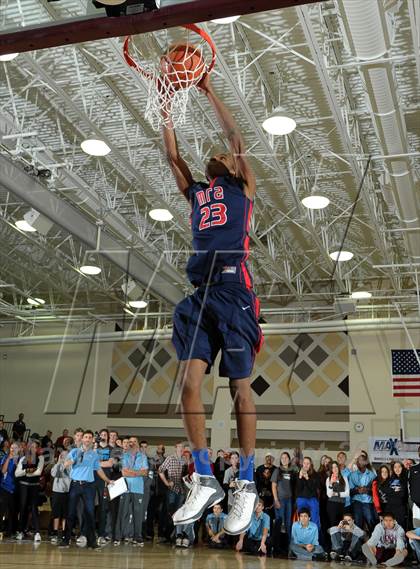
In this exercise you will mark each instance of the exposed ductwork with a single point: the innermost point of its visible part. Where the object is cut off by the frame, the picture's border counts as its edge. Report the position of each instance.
(356, 325)
(368, 32)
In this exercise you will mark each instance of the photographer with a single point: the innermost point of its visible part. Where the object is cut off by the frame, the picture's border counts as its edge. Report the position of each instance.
(346, 540)
(84, 462)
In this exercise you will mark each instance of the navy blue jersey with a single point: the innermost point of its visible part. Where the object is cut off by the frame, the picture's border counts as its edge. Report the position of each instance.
(220, 222)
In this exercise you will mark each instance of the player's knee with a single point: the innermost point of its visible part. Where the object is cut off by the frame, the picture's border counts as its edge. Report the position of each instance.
(241, 392)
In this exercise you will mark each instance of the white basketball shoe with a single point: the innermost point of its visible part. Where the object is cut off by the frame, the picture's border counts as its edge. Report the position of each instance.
(245, 500)
(204, 493)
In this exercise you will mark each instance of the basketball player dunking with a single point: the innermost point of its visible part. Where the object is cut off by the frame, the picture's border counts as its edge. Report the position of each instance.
(222, 314)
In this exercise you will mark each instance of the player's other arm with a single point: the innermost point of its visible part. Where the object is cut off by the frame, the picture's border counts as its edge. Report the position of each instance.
(232, 133)
(177, 164)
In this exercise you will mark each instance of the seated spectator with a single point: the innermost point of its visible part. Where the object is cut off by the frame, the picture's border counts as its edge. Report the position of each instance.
(360, 481)
(304, 544)
(387, 543)
(257, 539)
(18, 428)
(346, 540)
(60, 497)
(414, 539)
(214, 527)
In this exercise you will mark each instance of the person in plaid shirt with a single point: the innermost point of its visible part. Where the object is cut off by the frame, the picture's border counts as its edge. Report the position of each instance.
(171, 472)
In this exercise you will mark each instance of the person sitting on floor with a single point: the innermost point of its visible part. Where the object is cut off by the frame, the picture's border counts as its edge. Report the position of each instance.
(256, 540)
(414, 539)
(386, 545)
(304, 544)
(346, 540)
(214, 526)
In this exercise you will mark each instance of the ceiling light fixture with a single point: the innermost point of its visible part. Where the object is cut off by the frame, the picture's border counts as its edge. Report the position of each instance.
(279, 123)
(8, 56)
(361, 294)
(227, 20)
(341, 256)
(137, 303)
(315, 202)
(35, 301)
(95, 147)
(161, 214)
(23, 225)
(90, 270)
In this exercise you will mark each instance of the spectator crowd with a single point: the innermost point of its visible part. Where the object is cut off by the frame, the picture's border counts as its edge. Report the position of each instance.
(340, 510)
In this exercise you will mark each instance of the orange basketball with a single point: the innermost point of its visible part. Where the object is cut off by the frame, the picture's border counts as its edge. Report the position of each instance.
(182, 65)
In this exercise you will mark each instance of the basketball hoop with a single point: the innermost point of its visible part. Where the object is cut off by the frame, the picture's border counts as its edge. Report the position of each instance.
(171, 78)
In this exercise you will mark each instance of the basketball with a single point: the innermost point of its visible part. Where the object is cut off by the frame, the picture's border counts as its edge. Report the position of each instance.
(183, 65)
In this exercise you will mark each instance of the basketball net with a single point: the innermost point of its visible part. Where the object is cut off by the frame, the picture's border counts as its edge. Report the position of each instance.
(169, 86)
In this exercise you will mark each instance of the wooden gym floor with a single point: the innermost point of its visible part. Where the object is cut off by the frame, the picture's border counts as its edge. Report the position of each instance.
(27, 556)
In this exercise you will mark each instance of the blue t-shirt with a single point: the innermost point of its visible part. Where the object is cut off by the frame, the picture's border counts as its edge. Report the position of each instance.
(85, 463)
(7, 481)
(257, 525)
(216, 522)
(305, 535)
(357, 479)
(135, 484)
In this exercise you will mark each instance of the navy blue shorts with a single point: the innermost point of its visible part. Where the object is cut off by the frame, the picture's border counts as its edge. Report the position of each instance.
(222, 317)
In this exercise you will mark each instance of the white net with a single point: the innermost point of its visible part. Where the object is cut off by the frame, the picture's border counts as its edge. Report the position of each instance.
(170, 77)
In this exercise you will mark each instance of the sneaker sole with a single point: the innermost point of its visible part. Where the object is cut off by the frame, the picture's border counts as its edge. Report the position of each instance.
(197, 516)
(245, 528)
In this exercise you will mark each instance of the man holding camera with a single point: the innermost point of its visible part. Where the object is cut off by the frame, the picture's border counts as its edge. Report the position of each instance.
(346, 540)
(84, 463)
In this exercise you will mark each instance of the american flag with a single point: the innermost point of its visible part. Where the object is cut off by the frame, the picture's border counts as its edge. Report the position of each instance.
(405, 373)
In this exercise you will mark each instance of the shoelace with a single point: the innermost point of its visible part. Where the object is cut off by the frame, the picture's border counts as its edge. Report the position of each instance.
(238, 504)
(193, 493)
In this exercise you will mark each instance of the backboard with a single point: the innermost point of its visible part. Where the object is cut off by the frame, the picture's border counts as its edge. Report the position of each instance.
(38, 24)
(410, 425)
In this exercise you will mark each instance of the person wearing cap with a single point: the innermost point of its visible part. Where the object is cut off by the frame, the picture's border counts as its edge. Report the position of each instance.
(263, 476)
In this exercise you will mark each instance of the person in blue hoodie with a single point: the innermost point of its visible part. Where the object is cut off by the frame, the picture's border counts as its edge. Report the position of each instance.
(8, 465)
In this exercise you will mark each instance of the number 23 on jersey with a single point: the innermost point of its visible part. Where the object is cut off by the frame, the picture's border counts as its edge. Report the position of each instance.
(213, 215)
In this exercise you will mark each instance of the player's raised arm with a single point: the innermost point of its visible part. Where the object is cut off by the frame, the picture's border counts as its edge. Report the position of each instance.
(236, 142)
(177, 164)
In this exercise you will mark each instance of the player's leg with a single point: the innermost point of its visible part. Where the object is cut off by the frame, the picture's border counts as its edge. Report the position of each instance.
(246, 424)
(205, 490)
(245, 495)
(194, 341)
(192, 374)
(238, 324)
